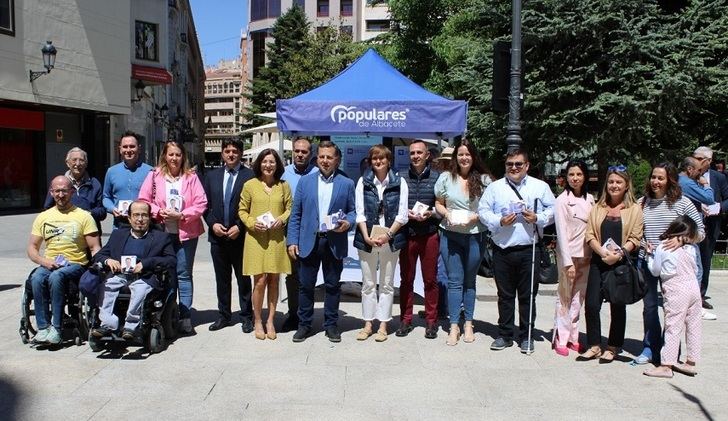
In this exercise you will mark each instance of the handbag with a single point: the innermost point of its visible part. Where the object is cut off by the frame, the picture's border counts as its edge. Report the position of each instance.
(547, 272)
(624, 283)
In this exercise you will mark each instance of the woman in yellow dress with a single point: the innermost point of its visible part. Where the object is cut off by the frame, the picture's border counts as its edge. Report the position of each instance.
(265, 205)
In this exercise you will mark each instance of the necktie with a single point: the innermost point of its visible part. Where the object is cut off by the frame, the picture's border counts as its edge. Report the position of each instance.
(226, 197)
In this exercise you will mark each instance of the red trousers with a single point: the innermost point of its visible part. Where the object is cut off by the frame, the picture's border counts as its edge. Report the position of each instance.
(427, 248)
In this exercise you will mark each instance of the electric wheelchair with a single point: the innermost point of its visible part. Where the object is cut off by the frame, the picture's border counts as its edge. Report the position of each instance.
(159, 313)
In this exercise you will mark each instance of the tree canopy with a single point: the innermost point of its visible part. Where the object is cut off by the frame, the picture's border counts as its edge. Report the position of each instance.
(612, 79)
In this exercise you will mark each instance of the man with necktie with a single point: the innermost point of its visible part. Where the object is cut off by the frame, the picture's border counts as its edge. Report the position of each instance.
(227, 233)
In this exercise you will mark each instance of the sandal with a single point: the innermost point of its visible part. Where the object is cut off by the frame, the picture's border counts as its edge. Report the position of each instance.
(662, 371)
(363, 335)
(592, 353)
(468, 335)
(608, 355)
(686, 369)
(453, 337)
(381, 336)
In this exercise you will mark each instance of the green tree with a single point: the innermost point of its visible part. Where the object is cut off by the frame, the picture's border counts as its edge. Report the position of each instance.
(291, 36)
(613, 80)
(298, 60)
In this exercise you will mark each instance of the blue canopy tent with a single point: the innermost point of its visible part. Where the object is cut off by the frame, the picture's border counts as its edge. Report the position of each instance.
(371, 97)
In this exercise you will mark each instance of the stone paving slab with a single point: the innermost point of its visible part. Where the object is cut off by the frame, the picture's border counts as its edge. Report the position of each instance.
(228, 375)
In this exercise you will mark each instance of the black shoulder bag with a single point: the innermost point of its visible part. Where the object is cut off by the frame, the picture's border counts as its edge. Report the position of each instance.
(624, 283)
(548, 273)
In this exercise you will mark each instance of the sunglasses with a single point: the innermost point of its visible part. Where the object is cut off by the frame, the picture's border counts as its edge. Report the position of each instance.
(619, 168)
(515, 164)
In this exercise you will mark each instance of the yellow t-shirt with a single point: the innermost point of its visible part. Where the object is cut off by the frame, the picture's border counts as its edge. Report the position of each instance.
(64, 233)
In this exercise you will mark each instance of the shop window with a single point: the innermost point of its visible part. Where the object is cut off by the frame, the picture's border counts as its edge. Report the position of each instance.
(7, 17)
(146, 41)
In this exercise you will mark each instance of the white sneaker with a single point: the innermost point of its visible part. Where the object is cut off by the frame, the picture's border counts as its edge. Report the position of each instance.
(708, 315)
(42, 335)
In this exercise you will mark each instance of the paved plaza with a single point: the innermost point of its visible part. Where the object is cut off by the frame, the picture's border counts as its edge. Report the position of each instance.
(226, 375)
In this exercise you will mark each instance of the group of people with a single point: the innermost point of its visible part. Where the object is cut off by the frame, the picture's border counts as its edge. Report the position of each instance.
(275, 219)
(672, 229)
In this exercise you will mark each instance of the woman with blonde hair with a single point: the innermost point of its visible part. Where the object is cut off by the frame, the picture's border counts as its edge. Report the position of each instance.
(614, 227)
(178, 201)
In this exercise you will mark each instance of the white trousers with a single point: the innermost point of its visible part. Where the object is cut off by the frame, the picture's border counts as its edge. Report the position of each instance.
(386, 259)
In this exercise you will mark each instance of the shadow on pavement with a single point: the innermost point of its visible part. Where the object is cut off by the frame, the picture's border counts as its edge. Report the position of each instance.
(8, 286)
(694, 399)
(9, 400)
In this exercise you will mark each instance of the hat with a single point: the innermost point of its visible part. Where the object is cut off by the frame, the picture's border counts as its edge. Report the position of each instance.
(446, 154)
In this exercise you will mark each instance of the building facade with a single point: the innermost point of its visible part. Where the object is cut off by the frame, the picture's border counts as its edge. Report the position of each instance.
(166, 80)
(223, 106)
(41, 119)
(362, 19)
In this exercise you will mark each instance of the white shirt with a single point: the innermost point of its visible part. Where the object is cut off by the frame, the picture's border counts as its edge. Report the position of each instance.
(227, 175)
(401, 217)
(325, 191)
(498, 196)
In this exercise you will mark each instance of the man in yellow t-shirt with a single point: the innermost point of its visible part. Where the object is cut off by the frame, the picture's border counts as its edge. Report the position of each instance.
(68, 232)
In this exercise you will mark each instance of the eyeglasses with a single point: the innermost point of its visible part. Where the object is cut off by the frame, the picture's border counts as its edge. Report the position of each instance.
(619, 168)
(139, 216)
(517, 165)
(60, 191)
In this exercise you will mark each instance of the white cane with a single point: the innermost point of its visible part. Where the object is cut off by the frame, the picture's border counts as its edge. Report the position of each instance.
(533, 275)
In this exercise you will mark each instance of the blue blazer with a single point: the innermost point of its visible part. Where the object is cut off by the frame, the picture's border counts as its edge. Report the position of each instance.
(304, 221)
(719, 184)
(214, 190)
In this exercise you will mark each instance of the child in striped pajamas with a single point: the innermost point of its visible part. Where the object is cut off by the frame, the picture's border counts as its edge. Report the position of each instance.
(681, 295)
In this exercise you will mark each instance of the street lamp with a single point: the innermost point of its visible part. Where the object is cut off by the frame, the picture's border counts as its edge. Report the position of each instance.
(513, 137)
(49, 60)
(139, 87)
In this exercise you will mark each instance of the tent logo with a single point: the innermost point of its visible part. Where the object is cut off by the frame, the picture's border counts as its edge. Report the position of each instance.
(368, 118)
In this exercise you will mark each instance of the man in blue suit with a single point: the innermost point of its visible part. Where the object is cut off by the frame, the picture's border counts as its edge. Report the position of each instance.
(717, 181)
(317, 196)
(227, 234)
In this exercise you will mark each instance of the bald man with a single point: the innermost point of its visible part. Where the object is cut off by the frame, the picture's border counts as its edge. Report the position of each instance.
(68, 232)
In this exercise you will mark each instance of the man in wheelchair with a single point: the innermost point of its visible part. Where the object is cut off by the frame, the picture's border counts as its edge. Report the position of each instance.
(150, 249)
(69, 233)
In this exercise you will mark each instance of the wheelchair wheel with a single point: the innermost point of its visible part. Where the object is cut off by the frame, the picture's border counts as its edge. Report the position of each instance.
(86, 316)
(170, 318)
(26, 329)
(156, 341)
(95, 344)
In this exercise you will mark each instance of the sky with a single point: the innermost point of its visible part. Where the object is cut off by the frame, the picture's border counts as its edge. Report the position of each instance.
(218, 24)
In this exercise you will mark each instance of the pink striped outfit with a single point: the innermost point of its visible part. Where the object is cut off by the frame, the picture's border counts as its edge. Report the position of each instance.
(681, 301)
(571, 214)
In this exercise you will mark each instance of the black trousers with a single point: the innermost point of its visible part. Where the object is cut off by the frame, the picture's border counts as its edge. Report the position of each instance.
(594, 305)
(512, 272)
(227, 257)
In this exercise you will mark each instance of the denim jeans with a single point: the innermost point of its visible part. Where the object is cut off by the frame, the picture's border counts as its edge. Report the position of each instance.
(462, 254)
(185, 261)
(442, 286)
(652, 341)
(52, 284)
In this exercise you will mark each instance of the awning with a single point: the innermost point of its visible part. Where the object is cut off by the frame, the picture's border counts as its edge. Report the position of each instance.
(266, 128)
(287, 146)
(151, 74)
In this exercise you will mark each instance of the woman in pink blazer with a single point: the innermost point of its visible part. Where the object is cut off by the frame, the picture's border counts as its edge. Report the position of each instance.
(178, 200)
(572, 255)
